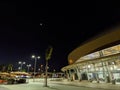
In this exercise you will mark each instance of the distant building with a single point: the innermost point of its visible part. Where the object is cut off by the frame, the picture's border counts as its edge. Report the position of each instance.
(96, 60)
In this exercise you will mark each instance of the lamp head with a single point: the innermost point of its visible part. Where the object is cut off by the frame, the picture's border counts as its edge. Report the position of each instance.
(33, 56)
(38, 57)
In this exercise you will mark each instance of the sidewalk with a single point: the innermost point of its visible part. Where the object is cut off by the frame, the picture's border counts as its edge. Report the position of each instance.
(108, 86)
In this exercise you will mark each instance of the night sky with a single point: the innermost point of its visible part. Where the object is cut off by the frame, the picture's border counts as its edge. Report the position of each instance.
(29, 28)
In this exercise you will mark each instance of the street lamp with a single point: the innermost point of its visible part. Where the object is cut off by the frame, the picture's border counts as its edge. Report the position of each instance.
(28, 65)
(41, 69)
(34, 57)
(21, 63)
(19, 68)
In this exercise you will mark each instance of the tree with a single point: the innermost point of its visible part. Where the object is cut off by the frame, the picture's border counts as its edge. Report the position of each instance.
(10, 68)
(3, 67)
(48, 54)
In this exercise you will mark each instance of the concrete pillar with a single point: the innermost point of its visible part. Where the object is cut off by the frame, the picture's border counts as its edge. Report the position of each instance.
(78, 73)
(65, 74)
(103, 64)
(81, 71)
(96, 74)
(106, 66)
(104, 70)
(68, 75)
(75, 72)
(87, 70)
(108, 70)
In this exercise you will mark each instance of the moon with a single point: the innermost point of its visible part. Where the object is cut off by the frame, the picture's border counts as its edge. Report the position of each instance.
(41, 24)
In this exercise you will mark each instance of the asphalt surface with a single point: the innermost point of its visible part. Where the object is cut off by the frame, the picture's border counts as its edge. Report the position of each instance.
(60, 85)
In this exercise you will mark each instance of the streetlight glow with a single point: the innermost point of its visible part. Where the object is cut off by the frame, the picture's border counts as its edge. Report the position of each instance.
(38, 57)
(21, 63)
(33, 56)
(28, 65)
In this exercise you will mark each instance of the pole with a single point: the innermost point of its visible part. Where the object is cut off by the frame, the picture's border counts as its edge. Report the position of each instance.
(21, 66)
(28, 69)
(34, 69)
(46, 73)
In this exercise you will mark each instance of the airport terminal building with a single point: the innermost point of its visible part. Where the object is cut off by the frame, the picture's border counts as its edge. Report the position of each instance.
(96, 60)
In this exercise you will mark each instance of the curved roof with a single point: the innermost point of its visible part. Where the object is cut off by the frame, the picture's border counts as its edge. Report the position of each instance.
(95, 44)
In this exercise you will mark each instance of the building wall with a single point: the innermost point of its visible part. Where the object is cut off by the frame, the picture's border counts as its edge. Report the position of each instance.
(96, 43)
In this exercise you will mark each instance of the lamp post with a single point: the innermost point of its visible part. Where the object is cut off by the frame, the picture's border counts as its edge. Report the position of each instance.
(34, 57)
(28, 66)
(21, 63)
(41, 68)
(19, 68)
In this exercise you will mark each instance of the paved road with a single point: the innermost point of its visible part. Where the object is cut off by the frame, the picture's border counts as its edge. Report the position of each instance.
(40, 86)
(60, 85)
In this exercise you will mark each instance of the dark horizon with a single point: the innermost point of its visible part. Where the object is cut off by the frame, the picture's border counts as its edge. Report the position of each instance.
(27, 29)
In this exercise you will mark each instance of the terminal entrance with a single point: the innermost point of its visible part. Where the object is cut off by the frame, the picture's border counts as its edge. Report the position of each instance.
(84, 76)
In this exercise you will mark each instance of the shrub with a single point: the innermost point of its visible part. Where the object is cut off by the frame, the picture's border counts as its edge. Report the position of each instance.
(118, 80)
(21, 81)
(10, 81)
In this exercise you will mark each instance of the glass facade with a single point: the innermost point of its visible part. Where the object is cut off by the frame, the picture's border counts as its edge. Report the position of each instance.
(105, 52)
(100, 66)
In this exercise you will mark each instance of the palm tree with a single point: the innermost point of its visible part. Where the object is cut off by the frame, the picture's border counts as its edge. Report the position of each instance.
(0, 67)
(9, 67)
(3, 67)
(47, 57)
